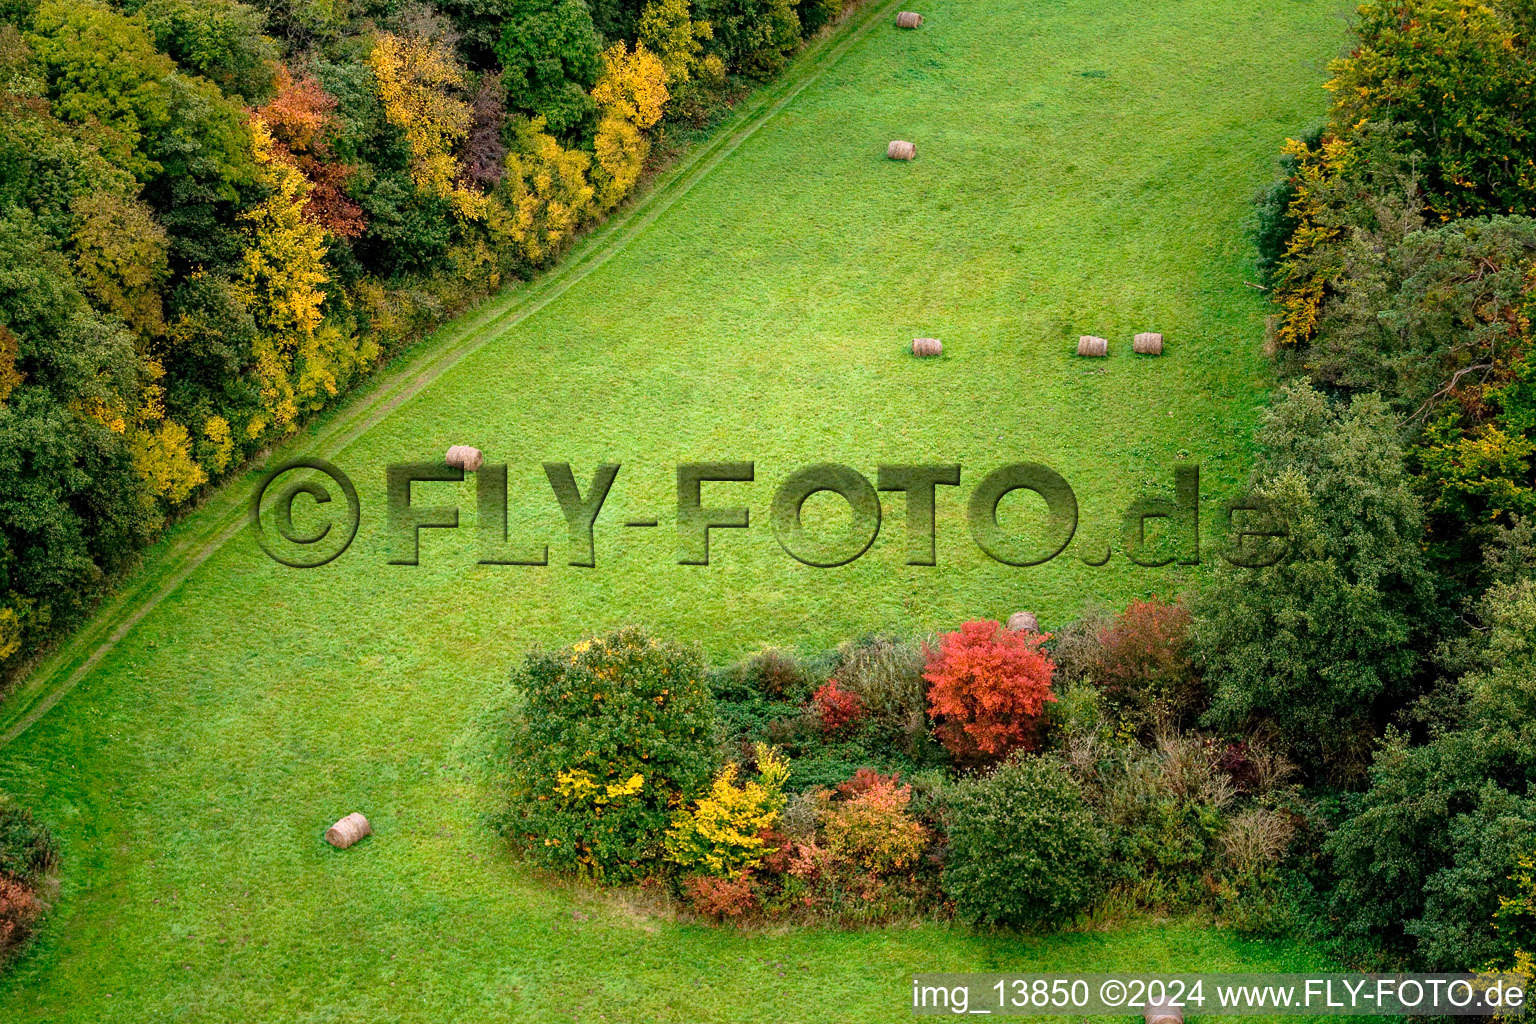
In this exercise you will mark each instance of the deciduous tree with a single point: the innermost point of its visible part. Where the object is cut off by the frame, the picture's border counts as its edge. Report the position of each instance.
(417, 80)
(631, 95)
(120, 255)
(549, 53)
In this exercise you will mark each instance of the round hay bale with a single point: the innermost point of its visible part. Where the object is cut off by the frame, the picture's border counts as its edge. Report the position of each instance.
(908, 19)
(927, 347)
(1025, 621)
(462, 456)
(1148, 344)
(1158, 1012)
(1088, 345)
(899, 150)
(348, 831)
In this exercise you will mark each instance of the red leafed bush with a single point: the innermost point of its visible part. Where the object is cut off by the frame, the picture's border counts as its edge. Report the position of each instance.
(810, 862)
(1145, 666)
(987, 688)
(721, 898)
(19, 908)
(777, 850)
(838, 709)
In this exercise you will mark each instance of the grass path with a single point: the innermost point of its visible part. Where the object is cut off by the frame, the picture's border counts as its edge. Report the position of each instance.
(1084, 167)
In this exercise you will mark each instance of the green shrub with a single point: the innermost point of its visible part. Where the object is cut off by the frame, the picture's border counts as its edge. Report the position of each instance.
(1164, 808)
(1024, 847)
(1456, 930)
(590, 721)
(28, 849)
(814, 14)
(826, 770)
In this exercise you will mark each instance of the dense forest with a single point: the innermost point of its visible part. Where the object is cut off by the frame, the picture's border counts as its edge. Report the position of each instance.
(215, 216)
(1394, 653)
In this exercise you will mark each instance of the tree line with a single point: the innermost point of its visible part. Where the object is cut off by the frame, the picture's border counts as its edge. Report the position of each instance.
(1394, 654)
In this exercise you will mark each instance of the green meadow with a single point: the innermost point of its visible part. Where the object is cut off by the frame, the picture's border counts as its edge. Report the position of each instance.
(1083, 167)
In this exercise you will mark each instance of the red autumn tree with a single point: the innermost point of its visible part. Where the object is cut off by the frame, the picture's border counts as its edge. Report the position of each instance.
(301, 117)
(987, 689)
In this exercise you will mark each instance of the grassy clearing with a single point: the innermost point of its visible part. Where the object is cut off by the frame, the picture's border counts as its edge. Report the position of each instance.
(1083, 167)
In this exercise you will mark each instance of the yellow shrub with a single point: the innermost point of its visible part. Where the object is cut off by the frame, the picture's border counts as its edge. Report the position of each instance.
(10, 376)
(162, 455)
(1309, 258)
(722, 833)
(631, 94)
(10, 632)
(547, 193)
(220, 442)
(621, 153)
(633, 85)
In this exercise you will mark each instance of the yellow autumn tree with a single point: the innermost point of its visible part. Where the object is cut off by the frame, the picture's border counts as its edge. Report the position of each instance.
(547, 194)
(218, 442)
(11, 629)
(631, 94)
(633, 85)
(677, 40)
(282, 272)
(417, 79)
(120, 256)
(162, 455)
(1310, 260)
(161, 448)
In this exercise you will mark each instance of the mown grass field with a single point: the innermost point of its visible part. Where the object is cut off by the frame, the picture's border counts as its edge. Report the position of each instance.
(1084, 166)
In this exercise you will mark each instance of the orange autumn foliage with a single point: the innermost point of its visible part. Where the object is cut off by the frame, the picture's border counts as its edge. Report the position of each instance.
(300, 118)
(988, 688)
